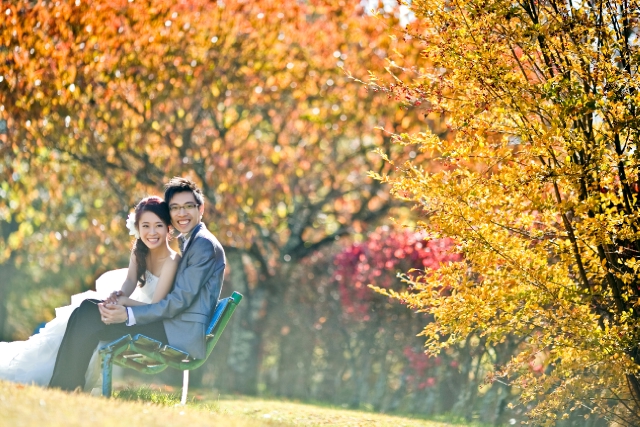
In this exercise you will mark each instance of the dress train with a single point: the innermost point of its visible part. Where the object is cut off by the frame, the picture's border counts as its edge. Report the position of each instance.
(32, 361)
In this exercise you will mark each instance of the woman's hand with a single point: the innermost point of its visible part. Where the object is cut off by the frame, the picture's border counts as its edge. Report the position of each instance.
(113, 297)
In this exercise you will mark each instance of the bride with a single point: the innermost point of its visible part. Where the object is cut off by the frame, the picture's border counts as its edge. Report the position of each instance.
(149, 278)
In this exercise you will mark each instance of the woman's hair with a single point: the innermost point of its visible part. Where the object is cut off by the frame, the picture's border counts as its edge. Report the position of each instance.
(158, 206)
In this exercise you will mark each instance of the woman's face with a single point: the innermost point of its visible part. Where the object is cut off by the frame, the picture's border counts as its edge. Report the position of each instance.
(153, 231)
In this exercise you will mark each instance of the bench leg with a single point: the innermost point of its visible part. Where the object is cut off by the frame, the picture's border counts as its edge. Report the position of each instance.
(185, 387)
(107, 373)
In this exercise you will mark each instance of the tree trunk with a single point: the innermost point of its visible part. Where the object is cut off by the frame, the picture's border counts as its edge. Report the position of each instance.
(4, 336)
(331, 387)
(6, 271)
(294, 364)
(246, 329)
(380, 388)
(362, 378)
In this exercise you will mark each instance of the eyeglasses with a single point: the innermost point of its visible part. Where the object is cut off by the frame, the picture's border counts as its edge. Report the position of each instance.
(186, 207)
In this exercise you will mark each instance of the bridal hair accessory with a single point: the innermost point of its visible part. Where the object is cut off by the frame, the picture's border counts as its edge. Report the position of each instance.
(131, 225)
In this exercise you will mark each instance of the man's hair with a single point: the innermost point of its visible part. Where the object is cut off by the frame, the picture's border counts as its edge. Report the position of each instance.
(178, 185)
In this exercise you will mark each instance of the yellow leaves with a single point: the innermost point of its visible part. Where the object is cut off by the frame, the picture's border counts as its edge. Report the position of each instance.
(13, 242)
(281, 210)
(530, 221)
(275, 157)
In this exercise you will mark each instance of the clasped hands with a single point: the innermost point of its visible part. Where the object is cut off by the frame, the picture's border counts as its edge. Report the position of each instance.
(111, 309)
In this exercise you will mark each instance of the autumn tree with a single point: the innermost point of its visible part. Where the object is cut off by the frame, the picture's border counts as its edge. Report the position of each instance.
(54, 231)
(248, 98)
(538, 185)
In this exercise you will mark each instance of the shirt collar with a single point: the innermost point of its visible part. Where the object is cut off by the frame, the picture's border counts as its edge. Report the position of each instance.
(186, 237)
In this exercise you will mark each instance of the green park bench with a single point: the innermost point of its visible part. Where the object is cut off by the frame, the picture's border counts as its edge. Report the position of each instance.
(149, 356)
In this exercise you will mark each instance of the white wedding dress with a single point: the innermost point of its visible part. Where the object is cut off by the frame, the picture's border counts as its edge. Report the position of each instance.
(32, 361)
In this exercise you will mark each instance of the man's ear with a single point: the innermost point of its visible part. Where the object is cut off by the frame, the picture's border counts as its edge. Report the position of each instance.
(201, 210)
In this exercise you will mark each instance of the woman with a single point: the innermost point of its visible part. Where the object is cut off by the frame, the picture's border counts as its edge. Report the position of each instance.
(152, 269)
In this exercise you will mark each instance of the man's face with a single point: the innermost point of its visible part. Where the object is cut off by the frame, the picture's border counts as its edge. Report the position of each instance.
(185, 212)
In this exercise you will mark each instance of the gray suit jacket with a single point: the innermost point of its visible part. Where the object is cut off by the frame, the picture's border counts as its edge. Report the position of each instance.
(185, 310)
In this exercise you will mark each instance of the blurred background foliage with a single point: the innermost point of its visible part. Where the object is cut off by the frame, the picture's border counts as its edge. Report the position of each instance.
(102, 102)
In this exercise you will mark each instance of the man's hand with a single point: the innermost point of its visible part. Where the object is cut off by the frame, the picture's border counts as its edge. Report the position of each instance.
(112, 313)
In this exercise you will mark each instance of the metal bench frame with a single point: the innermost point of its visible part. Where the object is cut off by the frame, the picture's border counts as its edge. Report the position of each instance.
(149, 356)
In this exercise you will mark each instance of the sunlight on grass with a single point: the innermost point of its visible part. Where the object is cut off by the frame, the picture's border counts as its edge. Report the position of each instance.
(35, 406)
(147, 394)
(276, 410)
(301, 414)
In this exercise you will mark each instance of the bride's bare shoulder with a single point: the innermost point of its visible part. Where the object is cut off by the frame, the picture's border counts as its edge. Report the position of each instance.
(171, 263)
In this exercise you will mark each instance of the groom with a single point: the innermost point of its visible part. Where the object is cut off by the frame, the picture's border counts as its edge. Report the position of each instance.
(179, 319)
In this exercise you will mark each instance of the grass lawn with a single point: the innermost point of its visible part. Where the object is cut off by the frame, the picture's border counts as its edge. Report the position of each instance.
(34, 406)
(301, 414)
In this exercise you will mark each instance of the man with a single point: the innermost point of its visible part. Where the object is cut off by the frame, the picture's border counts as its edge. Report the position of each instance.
(179, 319)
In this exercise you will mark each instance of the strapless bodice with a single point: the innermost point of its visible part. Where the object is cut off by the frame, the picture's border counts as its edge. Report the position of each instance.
(145, 293)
